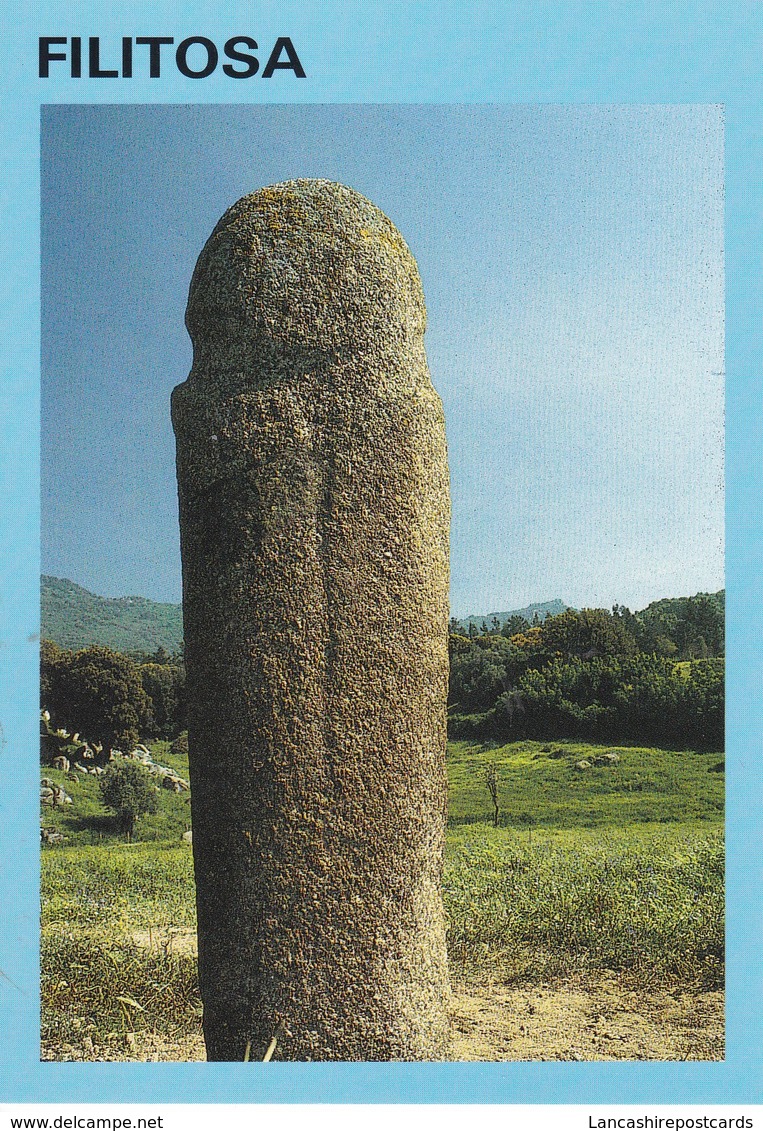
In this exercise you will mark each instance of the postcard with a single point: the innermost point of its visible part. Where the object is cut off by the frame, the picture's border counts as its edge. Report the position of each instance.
(381, 405)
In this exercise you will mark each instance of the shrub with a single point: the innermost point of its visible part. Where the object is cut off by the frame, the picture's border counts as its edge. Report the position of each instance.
(128, 789)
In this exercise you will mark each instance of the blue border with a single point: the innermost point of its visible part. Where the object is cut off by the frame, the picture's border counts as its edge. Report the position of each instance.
(369, 51)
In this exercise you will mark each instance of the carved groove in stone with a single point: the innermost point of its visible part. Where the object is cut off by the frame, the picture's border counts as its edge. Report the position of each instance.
(314, 512)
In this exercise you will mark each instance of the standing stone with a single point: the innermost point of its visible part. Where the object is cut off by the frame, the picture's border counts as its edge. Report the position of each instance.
(314, 514)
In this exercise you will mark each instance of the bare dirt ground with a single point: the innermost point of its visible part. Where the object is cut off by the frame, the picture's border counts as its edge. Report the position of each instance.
(586, 1017)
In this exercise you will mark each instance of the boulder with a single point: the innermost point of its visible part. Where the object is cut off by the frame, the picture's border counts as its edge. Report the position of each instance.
(608, 758)
(51, 836)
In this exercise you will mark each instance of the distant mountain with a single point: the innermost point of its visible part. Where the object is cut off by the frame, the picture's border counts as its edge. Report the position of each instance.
(690, 622)
(73, 618)
(543, 609)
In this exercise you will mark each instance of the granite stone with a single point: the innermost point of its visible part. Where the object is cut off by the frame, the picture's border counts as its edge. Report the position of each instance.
(314, 517)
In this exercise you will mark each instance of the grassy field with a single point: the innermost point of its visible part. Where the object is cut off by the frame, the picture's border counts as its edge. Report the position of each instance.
(86, 822)
(539, 785)
(615, 867)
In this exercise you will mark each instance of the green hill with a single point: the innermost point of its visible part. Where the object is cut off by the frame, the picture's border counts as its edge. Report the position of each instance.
(73, 618)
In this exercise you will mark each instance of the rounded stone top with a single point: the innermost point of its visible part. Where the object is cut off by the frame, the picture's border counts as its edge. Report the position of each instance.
(309, 264)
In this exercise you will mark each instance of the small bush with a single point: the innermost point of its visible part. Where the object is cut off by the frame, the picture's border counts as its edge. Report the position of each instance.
(128, 789)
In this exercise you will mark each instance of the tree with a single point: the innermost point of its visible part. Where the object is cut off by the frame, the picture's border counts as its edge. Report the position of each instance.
(478, 674)
(99, 694)
(683, 626)
(128, 789)
(491, 781)
(50, 656)
(161, 683)
(587, 633)
(529, 640)
(514, 625)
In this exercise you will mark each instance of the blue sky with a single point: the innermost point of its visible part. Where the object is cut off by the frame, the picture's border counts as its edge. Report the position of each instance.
(572, 261)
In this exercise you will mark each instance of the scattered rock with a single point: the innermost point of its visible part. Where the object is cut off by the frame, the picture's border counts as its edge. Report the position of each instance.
(51, 836)
(52, 794)
(608, 758)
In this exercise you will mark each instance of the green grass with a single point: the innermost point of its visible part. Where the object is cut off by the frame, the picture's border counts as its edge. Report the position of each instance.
(539, 785)
(617, 867)
(120, 886)
(102, 986)
(87, 822)
(97, 982)
(648, 900)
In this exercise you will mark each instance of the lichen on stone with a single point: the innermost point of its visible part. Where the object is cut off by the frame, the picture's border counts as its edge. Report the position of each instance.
(314, 514)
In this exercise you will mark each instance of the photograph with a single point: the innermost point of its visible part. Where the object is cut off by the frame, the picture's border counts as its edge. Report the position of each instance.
(382, 638)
